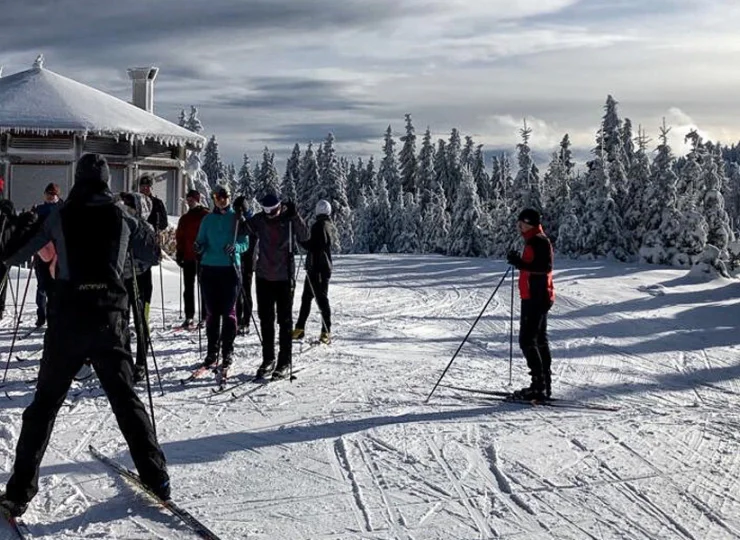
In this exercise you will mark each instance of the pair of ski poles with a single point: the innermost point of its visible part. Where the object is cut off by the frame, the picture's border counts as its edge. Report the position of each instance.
(511, 331)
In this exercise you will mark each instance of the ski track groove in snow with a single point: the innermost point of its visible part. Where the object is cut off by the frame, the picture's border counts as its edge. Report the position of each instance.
(340, 450)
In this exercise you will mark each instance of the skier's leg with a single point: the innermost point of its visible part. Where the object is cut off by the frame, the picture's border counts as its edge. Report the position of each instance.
(266, 312)
(543, 347)
(55, 377)
(211, 291)
(188, 294)
(306, 299)
(321, 284)
(528, 329)
(146, 289)
(228, 332)
(116, 378)
(248, 303)
(284, 301)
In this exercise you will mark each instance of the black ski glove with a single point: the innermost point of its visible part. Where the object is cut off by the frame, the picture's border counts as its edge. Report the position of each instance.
(230, 249)
(514, 259)
(180, 259)
(289, 210)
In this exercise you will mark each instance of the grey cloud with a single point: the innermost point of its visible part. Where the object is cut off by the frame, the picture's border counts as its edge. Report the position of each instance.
(293, 93)
(75, 25)
(290, 134)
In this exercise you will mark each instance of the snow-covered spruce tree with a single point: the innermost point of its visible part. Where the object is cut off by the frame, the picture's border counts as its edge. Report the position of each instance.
(628, 144)
(602, 233)
(569, 230)
(333, 188)
(639, 177)
(388, 169)
(268, 180)
(468, 151)
(308, 181)
(193, 123)
(246, 185)
(212, 164)
(436, 223)
(369, 176)
(470, 235)
(407, 159)
(441, 174)
(425, 175)
(380, 213)
(500, 215)
(719, 231)
(557, 198)
(480, 175)
(732, 200)
(660, 206)
(609, 148)
(408, 236)
(526, 191)
(566, 155)
(230, 177)
(454, 166)
(182, 118)
(354, 179)
(362, 223)
(291, 178)
(197, 179)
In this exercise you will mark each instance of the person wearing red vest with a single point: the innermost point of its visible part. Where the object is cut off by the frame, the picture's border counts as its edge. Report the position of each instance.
(537, 297)
(186, 258)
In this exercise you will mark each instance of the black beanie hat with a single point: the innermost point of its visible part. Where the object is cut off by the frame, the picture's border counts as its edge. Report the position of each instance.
(92, 172)
(530, 217)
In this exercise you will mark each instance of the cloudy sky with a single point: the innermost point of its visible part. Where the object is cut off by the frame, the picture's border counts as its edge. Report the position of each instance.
(276, 72)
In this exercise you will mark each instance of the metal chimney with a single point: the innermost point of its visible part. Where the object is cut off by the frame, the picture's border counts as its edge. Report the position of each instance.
(142, 79)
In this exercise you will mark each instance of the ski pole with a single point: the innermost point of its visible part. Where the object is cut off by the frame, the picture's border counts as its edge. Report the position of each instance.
(511, 327)
(469, 332)
(17, 324)
(161, 290)
(180, 313)
(292, 287)
(140, 333)
(17, 289)
(200, 313)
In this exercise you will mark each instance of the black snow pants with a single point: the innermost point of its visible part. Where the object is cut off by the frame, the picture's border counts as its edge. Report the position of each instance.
(67, 345)
(534, 343)
(220, 286)
(275, 297)
(316, 284)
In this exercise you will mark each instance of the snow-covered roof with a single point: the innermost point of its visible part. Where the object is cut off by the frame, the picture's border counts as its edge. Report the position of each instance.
(42, 102)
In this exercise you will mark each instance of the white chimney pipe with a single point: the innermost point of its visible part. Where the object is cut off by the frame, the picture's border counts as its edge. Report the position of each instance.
(142, 79)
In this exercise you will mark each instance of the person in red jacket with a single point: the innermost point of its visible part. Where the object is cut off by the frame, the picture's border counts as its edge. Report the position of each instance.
(185, 256)
(537, 297)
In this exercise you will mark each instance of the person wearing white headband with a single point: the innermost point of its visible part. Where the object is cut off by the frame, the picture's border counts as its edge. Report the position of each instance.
(276, 228)
(318, 272)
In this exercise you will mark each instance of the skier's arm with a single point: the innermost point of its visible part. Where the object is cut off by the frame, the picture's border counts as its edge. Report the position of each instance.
(201, 241)
(142, 241)
(37, 241)
(537, 257)
(299, 228)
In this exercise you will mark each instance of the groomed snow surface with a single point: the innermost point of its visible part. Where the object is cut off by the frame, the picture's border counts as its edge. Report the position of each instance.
(350, 450)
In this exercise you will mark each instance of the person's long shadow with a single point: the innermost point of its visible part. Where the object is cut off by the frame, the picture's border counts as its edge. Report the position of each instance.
(214, 447)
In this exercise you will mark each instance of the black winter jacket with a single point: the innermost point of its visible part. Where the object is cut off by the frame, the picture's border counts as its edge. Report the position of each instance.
(318, 258)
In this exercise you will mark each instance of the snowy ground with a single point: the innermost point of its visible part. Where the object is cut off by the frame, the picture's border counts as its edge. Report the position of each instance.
(350, 450)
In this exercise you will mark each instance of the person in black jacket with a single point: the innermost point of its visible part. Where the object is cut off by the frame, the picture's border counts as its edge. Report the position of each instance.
(318, 273)
(158, 216)
(538, 295)
(276, 227)
(87, 320)
(244, 303)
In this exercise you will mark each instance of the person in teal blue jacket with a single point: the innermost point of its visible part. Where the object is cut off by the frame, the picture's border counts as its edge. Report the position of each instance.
(219, 245)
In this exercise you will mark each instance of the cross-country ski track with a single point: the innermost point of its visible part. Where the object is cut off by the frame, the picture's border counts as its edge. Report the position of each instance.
(350, 449)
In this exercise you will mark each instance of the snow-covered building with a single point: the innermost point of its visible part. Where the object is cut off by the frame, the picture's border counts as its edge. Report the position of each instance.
(48, 121)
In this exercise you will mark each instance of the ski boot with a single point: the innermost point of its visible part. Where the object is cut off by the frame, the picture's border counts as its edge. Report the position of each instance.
(281, 372)
(265, 369)
(325, 338)
(139, 373)
(187, 324)
(11, 508)
(298, 333)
